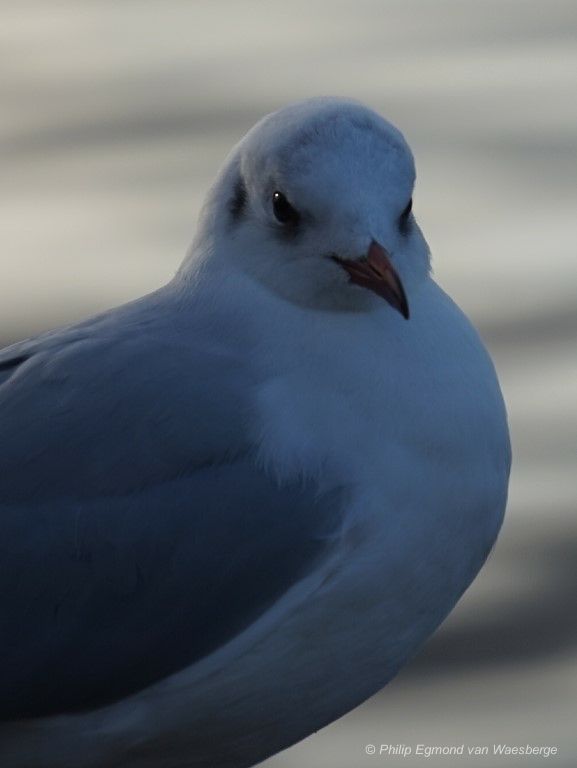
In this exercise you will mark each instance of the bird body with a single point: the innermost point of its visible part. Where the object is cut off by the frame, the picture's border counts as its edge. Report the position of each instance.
(233, 509)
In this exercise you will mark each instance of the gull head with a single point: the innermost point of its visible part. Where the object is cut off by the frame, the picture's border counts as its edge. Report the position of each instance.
(315, 204)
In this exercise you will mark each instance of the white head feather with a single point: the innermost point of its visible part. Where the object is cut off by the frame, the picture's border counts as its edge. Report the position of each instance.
(347, 172)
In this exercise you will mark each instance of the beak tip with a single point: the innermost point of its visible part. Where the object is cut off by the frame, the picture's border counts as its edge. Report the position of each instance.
(403, 306)
(376, 273)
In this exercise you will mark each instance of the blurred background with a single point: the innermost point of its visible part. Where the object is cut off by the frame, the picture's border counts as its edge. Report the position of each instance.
(116, 115)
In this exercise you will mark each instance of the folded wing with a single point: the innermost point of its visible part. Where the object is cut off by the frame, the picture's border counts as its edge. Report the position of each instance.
(137, 534)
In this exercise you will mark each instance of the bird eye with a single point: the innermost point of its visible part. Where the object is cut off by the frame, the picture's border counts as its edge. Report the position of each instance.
(283, 210)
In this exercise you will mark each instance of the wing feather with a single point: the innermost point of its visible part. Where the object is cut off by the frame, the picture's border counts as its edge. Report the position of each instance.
(136, 533)
(104, 597)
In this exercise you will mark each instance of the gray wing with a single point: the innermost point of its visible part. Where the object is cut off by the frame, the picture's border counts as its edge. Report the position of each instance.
(114, 405)
(134, 540)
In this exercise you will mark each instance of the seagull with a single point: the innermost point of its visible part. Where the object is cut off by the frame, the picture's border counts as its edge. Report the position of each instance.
(233, 509)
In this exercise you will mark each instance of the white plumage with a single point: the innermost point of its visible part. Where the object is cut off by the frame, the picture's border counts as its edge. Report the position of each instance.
(273, 394)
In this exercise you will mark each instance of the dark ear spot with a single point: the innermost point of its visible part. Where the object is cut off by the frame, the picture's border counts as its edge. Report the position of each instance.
(237, 204)
(405, 218)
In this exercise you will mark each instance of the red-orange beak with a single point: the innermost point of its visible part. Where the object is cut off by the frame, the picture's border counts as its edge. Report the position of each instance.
(376, 273)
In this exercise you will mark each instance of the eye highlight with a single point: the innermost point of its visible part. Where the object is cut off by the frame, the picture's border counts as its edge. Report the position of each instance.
(284, 211)
(405, 217)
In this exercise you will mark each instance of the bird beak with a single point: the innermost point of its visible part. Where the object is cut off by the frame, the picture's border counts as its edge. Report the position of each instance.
(375, 272)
